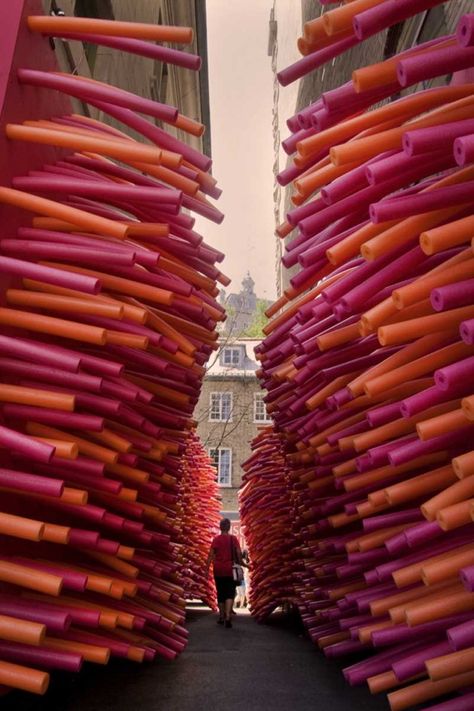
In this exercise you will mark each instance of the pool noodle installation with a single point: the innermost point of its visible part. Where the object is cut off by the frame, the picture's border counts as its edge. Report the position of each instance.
(358, 503)
(108, 501)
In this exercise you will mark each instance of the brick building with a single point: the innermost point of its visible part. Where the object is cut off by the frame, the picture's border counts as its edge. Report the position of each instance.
(229, 411)
(286, 22)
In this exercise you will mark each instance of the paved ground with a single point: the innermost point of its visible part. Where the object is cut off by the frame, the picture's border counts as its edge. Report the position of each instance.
(250, 667)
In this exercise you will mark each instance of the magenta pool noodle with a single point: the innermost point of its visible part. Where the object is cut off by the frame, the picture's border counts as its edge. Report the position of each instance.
(354, 180)
(355, 201)
(314, 60)
(45, 486)
(465, 30)
(27, 446)
(83, 89)
(399, 208)
(51, 375)
(153, 133)
(413, 664)
(427, 398)
(81, 537)
(389, 13)
(374, 523)
(58, 418)
(464, 702)
(422, 533)
(99, 366)
(467, 577)
(89, 482)
(451, 296)
(385, 413)
(41, 657)
(438, 61)
(411, 167)
(456, 373)
(40, 352)
(462, 636)
(463, 149)
(354, 299)
(57, 620)
(72, 579)
(417, 448)
(404, 633)
(433, 138)
(140, 47)
(98, 190)
(467, 331)
(50, 275)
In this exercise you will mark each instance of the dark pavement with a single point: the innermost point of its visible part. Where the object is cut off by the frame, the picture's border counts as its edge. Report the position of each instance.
(250, 667)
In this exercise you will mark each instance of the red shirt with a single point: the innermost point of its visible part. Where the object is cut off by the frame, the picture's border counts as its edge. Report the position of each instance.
(222, 547)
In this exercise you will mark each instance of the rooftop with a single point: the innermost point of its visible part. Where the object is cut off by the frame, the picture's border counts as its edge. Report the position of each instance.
(235, 359)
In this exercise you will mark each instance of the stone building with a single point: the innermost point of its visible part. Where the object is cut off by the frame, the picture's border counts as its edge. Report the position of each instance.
(186, 89)
(229, 412)
(287, 18)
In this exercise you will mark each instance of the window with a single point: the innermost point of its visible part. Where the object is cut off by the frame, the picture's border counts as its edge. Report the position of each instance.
(220, 407)
(231, 356)
(260, 409)
(222, 460)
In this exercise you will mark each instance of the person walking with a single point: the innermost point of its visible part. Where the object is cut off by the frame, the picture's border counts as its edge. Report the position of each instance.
(223, 553)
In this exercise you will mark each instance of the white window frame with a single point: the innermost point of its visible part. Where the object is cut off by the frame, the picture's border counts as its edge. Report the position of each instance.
(257, 400)
(232, 350)
(227, 483)
(217, 412)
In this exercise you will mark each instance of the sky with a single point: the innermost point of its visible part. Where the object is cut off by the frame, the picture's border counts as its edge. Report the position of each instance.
(241, 99)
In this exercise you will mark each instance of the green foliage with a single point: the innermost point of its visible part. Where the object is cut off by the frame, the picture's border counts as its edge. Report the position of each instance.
(255, 329)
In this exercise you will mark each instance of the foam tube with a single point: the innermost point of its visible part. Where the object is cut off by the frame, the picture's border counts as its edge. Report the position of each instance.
(135, 46)
(139, 30)
(83, 88)
(80, 218)
(463, 149)
(88, 285)
(402, 207)
(40, 657)
(465, 31)
(102, 191)
(426, 140)
(451, 296)
(436, 62)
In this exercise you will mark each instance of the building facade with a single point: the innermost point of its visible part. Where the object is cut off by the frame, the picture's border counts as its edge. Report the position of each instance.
(229, 412)
(186, 89)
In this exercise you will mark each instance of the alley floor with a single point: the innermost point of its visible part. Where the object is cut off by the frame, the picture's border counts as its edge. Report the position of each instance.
(251, 667)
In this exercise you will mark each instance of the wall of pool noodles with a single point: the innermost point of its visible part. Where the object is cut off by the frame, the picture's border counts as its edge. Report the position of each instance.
(108, 501)
(358, 503)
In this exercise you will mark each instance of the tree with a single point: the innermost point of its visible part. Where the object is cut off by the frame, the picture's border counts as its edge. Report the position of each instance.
(255, 330)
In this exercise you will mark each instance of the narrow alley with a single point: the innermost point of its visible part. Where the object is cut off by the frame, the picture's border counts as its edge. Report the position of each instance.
(252, 667)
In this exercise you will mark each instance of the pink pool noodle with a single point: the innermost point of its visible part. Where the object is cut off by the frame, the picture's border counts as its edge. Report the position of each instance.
(399, 208)
(467, 331)
(134, 46)
(453, 295)
(83, 89)
(377, 18)
(443, 60)
(465, 31)
(41, 657)
(463, 149)
(50, 275)
(434, 138)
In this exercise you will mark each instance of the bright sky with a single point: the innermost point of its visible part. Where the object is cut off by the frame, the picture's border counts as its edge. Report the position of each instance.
(241, 97)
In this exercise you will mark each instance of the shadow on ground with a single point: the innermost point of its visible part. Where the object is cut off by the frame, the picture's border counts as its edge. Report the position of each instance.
(251, 667)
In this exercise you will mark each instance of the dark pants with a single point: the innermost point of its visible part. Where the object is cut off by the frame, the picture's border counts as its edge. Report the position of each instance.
(225, 588)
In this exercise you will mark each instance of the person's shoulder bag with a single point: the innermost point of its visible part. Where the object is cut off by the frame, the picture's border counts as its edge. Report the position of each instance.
(237, 570)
